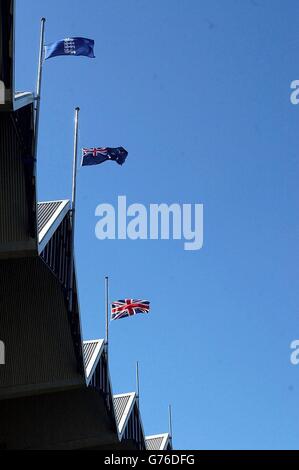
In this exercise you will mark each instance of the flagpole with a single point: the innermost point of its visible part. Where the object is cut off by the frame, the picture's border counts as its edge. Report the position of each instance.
(74, 187)
(39, 83)
(107, 312)
(170, 422)
(107, 336)
(137, 382)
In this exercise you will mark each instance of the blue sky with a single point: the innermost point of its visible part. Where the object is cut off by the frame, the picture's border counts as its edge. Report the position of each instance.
(198, 92)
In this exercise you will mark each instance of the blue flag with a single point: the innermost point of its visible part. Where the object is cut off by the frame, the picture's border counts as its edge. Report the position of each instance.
(96, 155)
(70, 46)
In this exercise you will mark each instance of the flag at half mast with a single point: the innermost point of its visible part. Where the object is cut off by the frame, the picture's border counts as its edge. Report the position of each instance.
(128, 307)
(97, 155)
(70, 46)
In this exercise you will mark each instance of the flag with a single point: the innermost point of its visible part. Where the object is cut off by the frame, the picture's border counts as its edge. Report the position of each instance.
(70, 46)
(96, 155)
(128, 307)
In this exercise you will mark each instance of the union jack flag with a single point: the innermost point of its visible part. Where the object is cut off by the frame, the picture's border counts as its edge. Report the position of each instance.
(128, 307)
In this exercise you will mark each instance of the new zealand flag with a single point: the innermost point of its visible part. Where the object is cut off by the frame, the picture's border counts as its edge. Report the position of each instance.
(96, 155)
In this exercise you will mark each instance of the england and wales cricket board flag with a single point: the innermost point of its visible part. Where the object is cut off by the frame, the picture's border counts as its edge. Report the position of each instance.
(97, 155)
(128, 307)
(70, 46)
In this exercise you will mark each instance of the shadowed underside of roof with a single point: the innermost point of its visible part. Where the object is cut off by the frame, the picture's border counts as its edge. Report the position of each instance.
(157, 442)
(89, 348)
(91, 352)
(46, 210)
(120, 405)
(153, 443)
(128, 420)
(49, 216)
